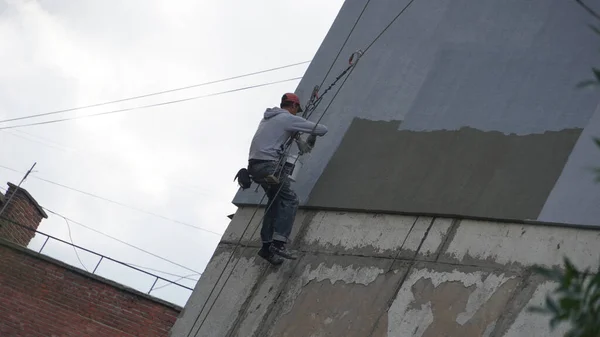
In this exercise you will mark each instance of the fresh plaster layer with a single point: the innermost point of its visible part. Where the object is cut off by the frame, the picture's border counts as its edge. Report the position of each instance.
(466, 172)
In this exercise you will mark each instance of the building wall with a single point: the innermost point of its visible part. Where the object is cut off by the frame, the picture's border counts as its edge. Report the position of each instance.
(465, 108)
(376, 275)
(40, 296)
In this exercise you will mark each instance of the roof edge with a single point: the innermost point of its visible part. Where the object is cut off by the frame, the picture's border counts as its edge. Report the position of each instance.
(438, 215)
(89, 275)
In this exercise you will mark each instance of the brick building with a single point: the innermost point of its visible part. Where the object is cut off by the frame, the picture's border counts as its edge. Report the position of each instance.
(41, 296)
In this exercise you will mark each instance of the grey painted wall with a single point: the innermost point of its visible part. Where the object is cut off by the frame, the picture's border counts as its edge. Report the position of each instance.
(470, 67)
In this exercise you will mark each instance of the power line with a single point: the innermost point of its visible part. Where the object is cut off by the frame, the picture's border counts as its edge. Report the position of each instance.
(78, 152)
(116, 239)
(150, 105)
(115, 202)
(154, 93)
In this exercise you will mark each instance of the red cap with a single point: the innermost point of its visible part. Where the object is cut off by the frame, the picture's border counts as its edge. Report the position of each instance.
(289, 97)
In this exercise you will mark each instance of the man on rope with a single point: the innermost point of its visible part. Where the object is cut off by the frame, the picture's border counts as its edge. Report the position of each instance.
(265, 164)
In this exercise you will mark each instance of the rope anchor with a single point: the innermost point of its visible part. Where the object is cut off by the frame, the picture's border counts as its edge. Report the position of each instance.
(358, 54)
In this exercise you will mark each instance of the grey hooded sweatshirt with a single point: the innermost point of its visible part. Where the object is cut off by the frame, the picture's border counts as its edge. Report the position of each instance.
(275, 129)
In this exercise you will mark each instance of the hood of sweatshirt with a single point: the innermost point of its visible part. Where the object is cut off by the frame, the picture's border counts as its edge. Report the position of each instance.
(272, 112)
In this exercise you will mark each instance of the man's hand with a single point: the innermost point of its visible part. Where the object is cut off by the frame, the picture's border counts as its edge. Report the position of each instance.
(311, 140)
(303, 146)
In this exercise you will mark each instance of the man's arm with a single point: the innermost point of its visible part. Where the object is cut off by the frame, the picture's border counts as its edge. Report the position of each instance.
(299, 124)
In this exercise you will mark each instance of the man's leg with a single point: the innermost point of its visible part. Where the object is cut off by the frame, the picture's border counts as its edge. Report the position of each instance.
(266, 234)
(286, 213)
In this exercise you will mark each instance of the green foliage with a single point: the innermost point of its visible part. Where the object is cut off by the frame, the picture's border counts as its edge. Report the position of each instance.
(597, 169)
(576, 300)
(596, 71)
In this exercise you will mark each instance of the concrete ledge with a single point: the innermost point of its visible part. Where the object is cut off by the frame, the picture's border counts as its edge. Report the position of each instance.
(397, 275)
(485, 243)
(441, 215)
(243, 222)
(358, 233)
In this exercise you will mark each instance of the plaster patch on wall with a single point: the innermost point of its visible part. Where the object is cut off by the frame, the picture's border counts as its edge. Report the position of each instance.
(333, 274)
(451, 299)
(532, 324)
(379, 233)
(467, 172)
(349, 274)
(524, 244)
(334, 296)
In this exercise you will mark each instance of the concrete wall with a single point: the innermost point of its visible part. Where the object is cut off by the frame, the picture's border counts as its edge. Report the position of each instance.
(363, 274)
(462, 107)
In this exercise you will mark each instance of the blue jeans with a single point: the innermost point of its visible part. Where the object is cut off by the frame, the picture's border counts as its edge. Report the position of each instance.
(281, 207)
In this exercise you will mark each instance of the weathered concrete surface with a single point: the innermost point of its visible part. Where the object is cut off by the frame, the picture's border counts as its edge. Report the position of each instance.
(347, 232)
(251, 229)
(452, 302)
(484, 243)
(467, 172)
(379, 275)
(334, 295)
(226, 308)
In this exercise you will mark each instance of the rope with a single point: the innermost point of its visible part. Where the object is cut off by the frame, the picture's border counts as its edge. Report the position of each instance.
(349, 68)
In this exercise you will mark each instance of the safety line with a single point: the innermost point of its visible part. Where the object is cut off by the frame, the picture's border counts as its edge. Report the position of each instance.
(118, 203)
(149, 105)
(345, 41)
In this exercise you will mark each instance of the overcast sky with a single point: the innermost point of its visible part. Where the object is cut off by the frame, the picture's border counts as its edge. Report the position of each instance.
(178, 160)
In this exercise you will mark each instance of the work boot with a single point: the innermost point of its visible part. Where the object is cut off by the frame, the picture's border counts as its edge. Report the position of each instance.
(280, 250)
(269, 256)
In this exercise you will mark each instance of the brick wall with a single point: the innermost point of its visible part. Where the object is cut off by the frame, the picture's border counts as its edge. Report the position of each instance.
(22, 209)
(40, 296)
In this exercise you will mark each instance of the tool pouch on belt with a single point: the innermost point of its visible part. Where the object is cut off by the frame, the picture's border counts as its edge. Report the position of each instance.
(243, 178)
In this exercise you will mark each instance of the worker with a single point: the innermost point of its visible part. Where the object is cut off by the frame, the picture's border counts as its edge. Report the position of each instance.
(265, 164)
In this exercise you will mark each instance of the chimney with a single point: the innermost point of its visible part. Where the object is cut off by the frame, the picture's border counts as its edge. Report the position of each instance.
(22, 211)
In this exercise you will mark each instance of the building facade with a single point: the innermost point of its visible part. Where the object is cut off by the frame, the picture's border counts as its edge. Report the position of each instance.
(41, 296)
(459, 156)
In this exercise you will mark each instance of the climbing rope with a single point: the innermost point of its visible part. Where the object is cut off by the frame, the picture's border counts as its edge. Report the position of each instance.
(316, 99)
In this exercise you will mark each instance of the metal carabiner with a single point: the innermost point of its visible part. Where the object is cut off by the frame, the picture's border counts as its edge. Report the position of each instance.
(358, 55)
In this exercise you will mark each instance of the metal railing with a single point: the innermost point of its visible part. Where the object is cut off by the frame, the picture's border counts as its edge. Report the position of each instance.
(101, 257)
